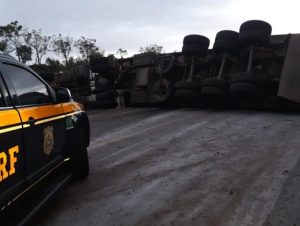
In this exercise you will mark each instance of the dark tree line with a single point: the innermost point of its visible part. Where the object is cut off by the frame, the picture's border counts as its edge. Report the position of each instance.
(33, 45)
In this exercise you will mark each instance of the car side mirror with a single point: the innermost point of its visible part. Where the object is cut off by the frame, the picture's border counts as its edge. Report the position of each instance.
(63, 95)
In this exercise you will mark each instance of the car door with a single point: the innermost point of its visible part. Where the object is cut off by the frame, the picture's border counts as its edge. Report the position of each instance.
(43, 121)
(11, 150)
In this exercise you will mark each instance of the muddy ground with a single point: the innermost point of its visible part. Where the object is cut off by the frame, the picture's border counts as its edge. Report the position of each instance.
(186, 167)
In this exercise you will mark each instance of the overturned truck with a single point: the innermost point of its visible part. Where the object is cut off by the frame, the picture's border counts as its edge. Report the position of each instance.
(104, 71)
(246, 68)
(153, 77)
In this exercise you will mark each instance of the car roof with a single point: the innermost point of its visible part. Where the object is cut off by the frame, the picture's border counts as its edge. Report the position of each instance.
(7, 56)
(10, 59)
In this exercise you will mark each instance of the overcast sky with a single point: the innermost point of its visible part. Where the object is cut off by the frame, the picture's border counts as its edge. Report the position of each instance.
(130, 24)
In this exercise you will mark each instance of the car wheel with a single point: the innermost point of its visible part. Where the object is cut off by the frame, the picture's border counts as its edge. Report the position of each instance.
(195, 45)
(255, 31)
(226, 41)
(215, 82)
(194, 50)
(196, 39)
(254, 36)
(79, 157)
(214, 87)
(253, 78)
(243, 90)
(257, 25)
(188, 85)
(161, 91)
(186, 97)
(212, 91)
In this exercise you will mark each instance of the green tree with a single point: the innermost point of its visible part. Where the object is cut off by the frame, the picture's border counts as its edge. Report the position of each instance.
(87, 47)
(63, 47)
(152, 48)
(54, 65)
(122, 52)
(39, 44)
(24, 52)
(13, 40)
(3, 46)
(98, 54)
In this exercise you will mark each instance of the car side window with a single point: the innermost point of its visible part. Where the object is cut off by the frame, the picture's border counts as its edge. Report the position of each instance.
(2, 101)
(30, 90)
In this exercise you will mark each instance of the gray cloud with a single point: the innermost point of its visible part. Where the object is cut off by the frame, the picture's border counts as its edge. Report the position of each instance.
(129, 24)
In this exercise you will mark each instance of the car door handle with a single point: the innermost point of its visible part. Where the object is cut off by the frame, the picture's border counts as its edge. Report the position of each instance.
(31, 121)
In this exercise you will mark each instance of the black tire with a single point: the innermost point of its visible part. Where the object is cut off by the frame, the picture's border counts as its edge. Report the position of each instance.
(223, 46)
(253, 36)
(215, 82)
(243, 90)
(184, 93)
(226, 41)
(212, 91)
(196, 39)
(188, 85)
(79, 157)
(227, 35)
(252, 78)
(161, 92)
(194, 50)
(186, 97)
(256, 25)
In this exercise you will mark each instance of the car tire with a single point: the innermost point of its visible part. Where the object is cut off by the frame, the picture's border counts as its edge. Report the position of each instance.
(227, 35)
(196, 40)
(244, 90)
(184, 92)
(194, 50)
(160, 95)
(185, 97)
(215, 82)
(252, 78)
(79, 157)
(257, 25)
(255, 31)
(254, 36)
(214, 87)
(212, 91)
(226, 41)
(188, 85)
(223, 46)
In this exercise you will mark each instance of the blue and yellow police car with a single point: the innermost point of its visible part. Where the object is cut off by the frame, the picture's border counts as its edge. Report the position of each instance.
(44, 137)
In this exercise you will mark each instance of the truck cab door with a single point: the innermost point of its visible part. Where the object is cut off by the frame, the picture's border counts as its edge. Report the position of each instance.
(43, 122)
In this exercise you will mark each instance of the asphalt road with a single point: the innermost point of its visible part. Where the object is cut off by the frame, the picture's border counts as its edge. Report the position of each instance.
(186, 167)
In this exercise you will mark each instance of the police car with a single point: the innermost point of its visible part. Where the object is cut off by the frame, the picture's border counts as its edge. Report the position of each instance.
(44, 137)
